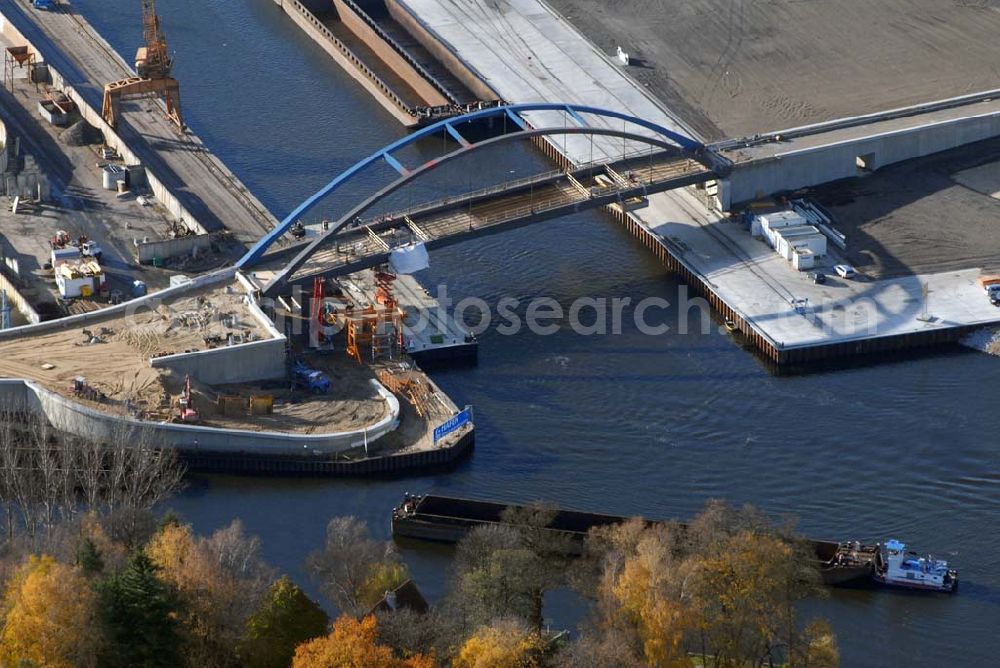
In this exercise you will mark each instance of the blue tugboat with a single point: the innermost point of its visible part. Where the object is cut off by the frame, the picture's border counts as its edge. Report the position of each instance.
(896, 567)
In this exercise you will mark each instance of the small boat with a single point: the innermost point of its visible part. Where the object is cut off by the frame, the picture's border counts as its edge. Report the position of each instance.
(895, 567)
(731, 325)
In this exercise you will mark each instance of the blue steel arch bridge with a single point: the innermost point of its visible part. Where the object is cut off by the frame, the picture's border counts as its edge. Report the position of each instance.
(357, 240)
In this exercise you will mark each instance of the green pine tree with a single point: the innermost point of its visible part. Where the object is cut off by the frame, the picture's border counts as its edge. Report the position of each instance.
(171, 518)
(88, 558)
(286, 618)
(136, 610)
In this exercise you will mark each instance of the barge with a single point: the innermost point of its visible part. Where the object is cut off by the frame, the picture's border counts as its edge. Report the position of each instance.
(447, 519)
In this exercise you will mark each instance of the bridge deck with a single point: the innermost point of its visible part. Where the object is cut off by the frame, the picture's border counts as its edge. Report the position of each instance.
(447, 221)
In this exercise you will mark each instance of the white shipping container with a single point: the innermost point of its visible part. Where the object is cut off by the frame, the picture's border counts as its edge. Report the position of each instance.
(780, 219)
(803, 259)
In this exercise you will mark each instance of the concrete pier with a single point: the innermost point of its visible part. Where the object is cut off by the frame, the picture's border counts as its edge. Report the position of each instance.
(527, 53)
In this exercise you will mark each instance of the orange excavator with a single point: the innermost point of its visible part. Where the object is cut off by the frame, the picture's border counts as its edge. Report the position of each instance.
(152, 64)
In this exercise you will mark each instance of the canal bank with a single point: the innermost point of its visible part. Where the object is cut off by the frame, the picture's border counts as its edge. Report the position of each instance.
(194, 186)
(403, 66)
(238, 360)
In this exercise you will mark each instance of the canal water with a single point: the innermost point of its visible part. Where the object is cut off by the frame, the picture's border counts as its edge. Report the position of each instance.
(628, 423)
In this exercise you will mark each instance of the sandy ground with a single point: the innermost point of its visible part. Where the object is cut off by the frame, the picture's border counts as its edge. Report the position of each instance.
(352, 402)
(117, 366)
(915, 217)
(737, 67)
(117, 363)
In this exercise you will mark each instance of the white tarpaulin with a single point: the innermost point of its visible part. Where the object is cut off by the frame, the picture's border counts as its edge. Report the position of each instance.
(409, 259)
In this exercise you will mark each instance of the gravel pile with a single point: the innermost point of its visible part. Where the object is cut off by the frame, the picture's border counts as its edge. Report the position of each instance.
(81, 133)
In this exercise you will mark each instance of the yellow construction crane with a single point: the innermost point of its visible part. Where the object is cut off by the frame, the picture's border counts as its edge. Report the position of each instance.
(152, 64)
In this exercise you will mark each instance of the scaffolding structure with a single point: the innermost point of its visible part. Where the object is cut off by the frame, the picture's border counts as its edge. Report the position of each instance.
(17, 56)
(375, 333)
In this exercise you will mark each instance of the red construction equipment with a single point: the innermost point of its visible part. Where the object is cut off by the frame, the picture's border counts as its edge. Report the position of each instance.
(188, 413)
(152, 64)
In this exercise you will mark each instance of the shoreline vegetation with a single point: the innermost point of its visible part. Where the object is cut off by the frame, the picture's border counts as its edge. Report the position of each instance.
(91, 576)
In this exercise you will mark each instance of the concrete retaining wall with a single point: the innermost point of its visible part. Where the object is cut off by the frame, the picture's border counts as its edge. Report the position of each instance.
(822, 164)
(133, 305)
(244, 363)
(354, 22)
(166, 248)
(18, 301)
(68, 416)
(439, 48)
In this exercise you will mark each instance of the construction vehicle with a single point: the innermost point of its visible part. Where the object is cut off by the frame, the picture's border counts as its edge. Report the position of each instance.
(152, 64)
(90, 248)
(60, 239)
(188, 412)
(310, 379)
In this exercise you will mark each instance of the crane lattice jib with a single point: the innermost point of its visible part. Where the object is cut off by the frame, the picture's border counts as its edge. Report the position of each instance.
(157, 58)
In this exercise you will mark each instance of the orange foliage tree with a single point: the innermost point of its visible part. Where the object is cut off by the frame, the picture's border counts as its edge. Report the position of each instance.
(352, 644)
(504, 644)
(48, 617)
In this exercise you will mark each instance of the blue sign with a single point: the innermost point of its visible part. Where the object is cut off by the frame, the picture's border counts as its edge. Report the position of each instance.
(465, 417)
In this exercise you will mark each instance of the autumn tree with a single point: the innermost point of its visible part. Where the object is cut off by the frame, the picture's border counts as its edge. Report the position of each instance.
(285, 619)
(137, 613)
(48, 610)
(506, 643)
(724, 587)
(504, 570)
(220, 580)
(818, 648)
(353, 569)
(353, 644)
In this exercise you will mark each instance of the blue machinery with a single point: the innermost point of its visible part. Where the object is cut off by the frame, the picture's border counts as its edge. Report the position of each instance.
(663, 138)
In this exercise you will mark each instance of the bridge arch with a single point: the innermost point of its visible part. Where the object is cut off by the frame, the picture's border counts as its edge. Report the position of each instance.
(692, 147)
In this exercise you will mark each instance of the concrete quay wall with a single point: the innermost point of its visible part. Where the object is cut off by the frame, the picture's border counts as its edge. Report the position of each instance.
(70, 417)
(244, 363)
(439, 48)
(150, 301)
(19, 301)
(836, 160)
(159, 249)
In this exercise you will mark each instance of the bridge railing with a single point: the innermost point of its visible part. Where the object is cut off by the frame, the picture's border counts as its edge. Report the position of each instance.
(509, 184)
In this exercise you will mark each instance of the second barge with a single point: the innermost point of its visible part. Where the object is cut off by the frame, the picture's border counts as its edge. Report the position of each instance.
(448, 519)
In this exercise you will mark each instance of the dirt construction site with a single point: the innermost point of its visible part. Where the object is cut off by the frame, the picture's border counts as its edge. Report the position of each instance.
(112, 356)
(930, 215)
(732, 68)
